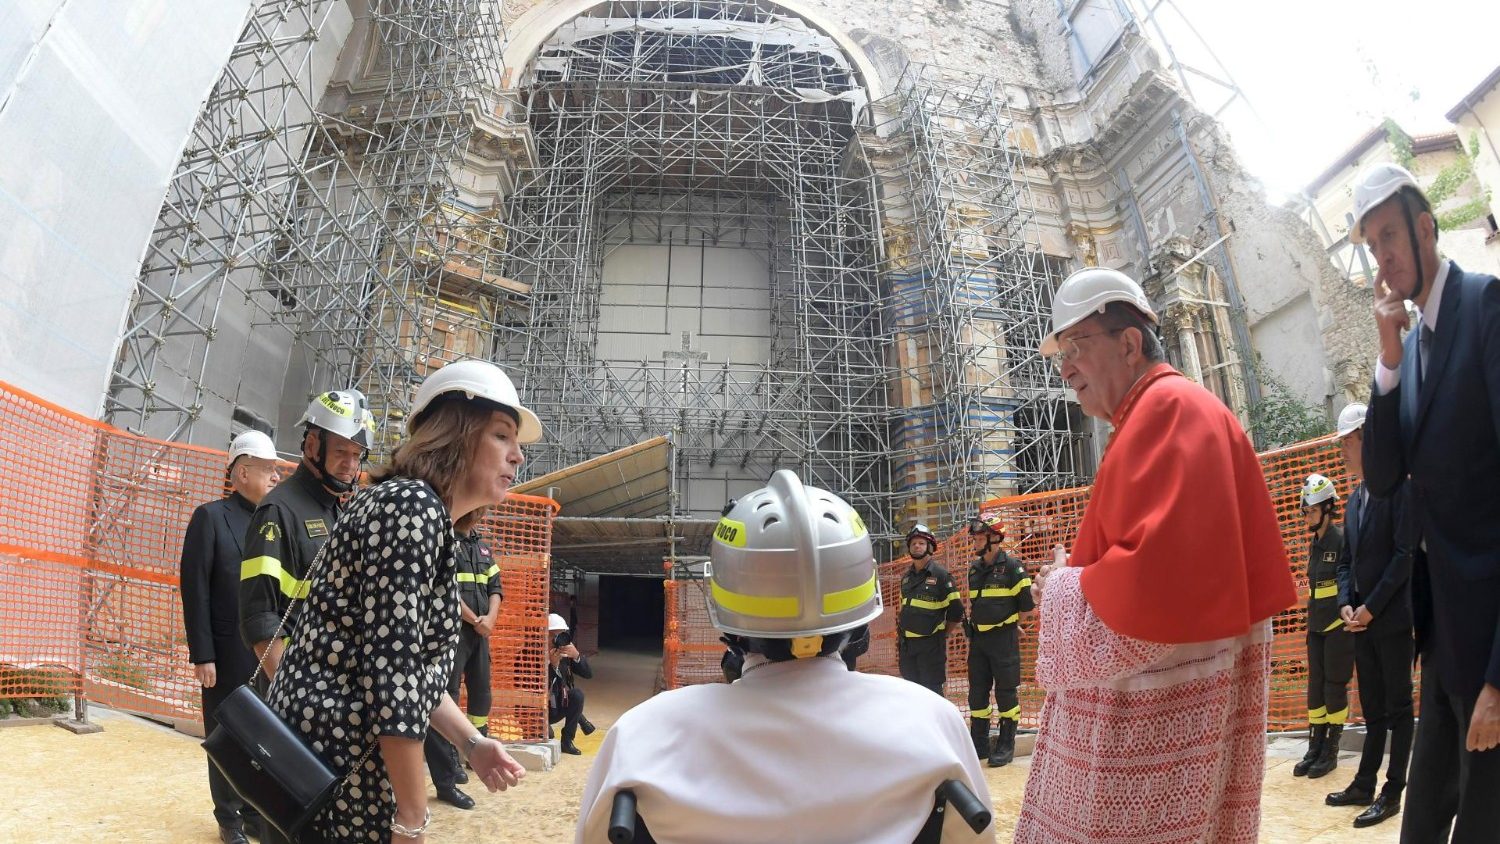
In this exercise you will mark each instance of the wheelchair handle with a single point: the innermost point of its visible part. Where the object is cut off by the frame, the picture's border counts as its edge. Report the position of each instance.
(622, 817)
(975, 814)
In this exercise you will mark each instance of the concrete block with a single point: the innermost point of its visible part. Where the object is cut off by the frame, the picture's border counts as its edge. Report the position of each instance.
(533, 757)
(78, 728)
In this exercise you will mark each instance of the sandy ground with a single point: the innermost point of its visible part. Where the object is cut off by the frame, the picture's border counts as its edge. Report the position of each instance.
(138, 781)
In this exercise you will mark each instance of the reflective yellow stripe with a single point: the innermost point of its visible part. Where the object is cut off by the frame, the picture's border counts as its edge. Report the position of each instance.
(981, 713)
(470, 577)
(493, 570)
(1317, 716)
(997, 592)
(984, 628)
(953, 596)
(756, 605)
(1337, 623)
(1325, 592)
(479, 720)
(913, 635)
(271, 567)
(1013, 713)
(926, 605)
(848, 599)
(467, 577)
(1339, 717)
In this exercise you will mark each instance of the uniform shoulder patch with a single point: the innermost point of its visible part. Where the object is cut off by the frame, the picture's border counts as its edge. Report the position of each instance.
(270, 532)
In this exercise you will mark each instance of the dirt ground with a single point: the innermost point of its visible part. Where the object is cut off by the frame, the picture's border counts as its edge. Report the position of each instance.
(138, 781)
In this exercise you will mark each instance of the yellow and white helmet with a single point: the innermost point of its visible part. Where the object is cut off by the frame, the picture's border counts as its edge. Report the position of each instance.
(791, 561)
(1317, 490)
(344, 413)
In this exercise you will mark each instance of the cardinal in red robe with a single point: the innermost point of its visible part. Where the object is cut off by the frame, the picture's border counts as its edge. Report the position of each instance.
(1155, 637)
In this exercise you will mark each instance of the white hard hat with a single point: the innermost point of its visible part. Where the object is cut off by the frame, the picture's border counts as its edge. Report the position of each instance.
(252, 444)
(790, 561)
(1085, 293)
(1317, 490)
(1351, 419)
(1377, 184)
(477, 379)
(344, 413)
(555, 623)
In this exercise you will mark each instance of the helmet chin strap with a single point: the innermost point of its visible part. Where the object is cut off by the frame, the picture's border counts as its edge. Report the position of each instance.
(1323, 516)
(1416, 251)
(330, 483)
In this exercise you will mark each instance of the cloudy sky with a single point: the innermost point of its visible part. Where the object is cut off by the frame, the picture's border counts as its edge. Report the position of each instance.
(1320, 73)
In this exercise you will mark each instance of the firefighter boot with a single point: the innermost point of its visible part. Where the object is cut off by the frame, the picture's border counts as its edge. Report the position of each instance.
(979, 731)
(1315, 734)
(1328, 759)
(1005, 744)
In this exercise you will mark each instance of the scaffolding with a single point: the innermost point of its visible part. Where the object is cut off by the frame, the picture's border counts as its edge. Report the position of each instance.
(977, 412)
(336, 239)
(712, 123)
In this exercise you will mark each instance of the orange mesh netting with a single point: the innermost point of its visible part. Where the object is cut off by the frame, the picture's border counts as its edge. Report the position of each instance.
(90, 547)
(1035, 523)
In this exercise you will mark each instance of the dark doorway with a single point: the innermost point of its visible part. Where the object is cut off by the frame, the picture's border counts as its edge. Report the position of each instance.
(631, 611)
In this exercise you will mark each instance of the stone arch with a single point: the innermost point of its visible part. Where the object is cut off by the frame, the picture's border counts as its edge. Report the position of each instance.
(532, 29)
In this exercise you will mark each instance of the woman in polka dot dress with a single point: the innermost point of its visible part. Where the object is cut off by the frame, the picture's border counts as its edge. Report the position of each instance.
(368, 666)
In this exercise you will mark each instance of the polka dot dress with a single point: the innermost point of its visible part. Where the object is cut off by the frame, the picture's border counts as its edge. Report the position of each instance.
(374, 649)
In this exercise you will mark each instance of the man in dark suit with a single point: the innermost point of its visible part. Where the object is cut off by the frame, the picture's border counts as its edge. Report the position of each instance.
(211, 555)
(1374, 576)
(1434, 421)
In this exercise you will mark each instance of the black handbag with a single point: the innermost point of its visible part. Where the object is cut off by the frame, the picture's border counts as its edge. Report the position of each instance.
(269, 764)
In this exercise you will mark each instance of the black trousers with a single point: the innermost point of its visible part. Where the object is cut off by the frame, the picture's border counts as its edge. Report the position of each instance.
(471, 668)
(568, 713)
(995, 660)
(1330, 665)
(229, 810)
(1451, 788)
(924, 659)
(1384, 665)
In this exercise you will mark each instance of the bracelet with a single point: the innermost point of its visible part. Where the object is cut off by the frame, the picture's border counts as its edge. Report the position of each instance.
(470, 743)
(404, 832)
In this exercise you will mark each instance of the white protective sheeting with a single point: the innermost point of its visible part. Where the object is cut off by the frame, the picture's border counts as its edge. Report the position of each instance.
(96, 101)
(779, 31)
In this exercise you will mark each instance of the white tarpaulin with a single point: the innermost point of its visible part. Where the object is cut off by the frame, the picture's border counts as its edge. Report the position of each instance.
(96, 101)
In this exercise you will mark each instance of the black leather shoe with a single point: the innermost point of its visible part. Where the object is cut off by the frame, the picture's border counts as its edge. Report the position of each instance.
(232, 836)
(462, 777)
(455, 798)
(1351, 796)
(571, 749)
(585, 725)
(1383, 807)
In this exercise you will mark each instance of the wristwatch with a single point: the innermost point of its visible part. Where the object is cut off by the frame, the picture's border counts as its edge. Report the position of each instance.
(470, 743)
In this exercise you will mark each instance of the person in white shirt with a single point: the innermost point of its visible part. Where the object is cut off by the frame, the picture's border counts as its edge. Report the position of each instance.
(799, 749)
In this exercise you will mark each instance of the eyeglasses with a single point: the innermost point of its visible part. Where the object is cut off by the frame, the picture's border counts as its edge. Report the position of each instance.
(1067, 350)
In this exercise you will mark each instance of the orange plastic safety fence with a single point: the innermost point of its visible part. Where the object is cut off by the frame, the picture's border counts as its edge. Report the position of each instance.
(91, 526)
(1034, 524)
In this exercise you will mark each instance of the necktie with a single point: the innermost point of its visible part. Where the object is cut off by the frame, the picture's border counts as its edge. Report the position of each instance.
(1424, 348)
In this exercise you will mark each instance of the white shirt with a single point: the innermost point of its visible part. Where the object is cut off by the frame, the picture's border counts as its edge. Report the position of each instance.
(1386, 378)
(800, 751)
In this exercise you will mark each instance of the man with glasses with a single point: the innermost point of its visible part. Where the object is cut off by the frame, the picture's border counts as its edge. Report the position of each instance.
(1155, 637)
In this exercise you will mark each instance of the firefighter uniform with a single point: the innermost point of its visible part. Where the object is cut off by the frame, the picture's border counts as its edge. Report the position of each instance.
(998, 593)
(929, 601)
(478, 580)
(285, 534)
(1330, 648)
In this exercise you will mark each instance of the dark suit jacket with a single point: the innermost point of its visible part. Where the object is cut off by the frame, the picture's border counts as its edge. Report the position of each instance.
(1446, 438)
(1375, 563)
(211, 554)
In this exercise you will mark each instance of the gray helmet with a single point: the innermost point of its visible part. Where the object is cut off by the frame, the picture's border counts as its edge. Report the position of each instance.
(344, 413)
(789, 561)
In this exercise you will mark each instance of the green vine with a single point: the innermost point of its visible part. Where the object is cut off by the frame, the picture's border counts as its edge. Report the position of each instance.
(1280, 418)
(1463, 214)
(1450, 179)
(1400, 143)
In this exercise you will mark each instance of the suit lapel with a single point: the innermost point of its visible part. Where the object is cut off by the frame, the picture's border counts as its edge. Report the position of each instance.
(1356, 521)
(239, 541)
(1442, 341)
